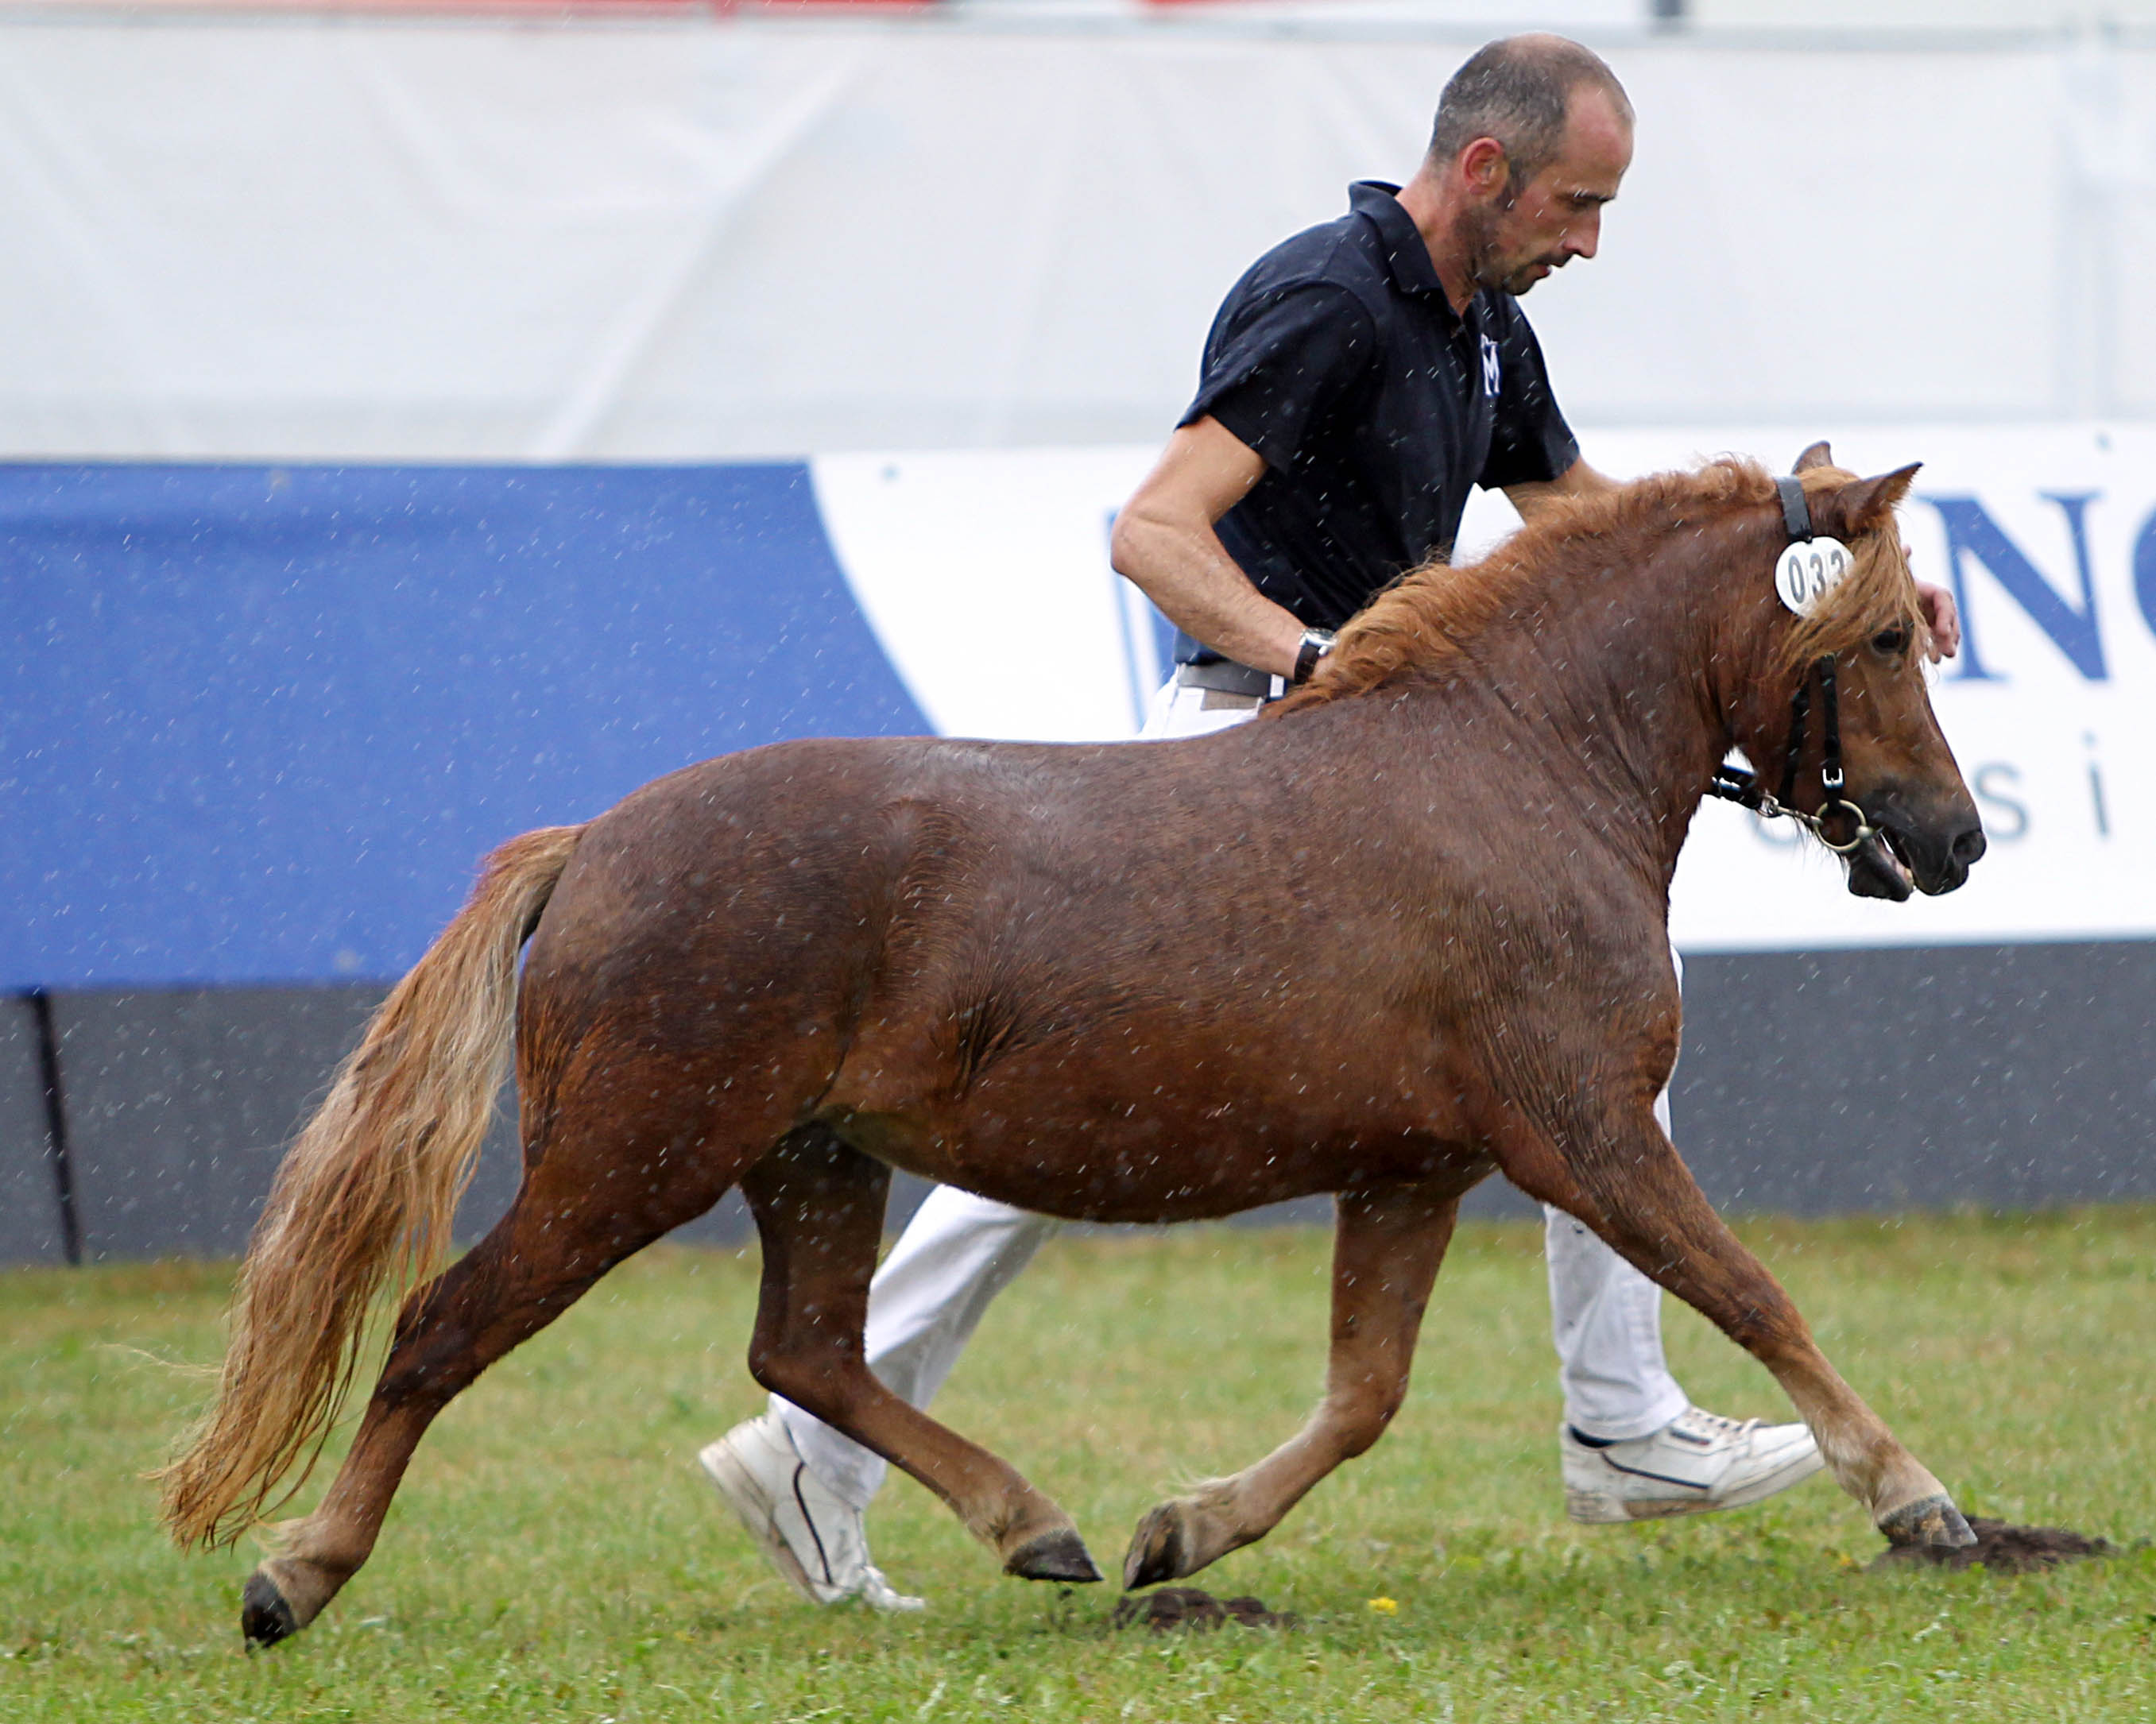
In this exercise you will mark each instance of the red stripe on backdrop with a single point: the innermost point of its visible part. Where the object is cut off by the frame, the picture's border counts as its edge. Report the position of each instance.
(554, 8)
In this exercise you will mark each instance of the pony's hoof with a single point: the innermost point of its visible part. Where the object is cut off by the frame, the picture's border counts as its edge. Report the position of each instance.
(1061, 1555)
(1929, 1520)
(1157, 1551)
(264, 1617)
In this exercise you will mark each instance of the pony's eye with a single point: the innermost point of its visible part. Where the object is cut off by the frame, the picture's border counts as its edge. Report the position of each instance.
(1892, 642)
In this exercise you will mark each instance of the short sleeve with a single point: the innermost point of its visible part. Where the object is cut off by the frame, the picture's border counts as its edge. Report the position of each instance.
(1279, 368)
(1529, 442)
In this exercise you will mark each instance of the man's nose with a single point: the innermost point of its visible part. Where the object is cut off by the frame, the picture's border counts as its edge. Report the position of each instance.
(1583, 235)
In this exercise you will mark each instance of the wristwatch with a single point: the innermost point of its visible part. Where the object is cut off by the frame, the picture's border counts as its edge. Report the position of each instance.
(1316, 643)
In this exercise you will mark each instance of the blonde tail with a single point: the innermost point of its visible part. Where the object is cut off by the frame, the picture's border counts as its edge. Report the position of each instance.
(365, 1196)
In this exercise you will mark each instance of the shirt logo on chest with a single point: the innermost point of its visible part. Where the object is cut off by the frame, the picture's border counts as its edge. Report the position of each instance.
(1490, 372)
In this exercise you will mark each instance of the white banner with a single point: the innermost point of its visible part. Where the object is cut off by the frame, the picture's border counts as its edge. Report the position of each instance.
(308, 236)
(986, 575)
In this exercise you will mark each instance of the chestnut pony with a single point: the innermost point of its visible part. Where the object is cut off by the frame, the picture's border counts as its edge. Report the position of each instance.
(1407, 931)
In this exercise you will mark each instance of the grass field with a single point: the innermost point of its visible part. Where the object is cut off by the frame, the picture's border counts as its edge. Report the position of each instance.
(555, 1554)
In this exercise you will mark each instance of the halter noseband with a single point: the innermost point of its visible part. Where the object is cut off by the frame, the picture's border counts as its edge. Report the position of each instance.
(1735, 784)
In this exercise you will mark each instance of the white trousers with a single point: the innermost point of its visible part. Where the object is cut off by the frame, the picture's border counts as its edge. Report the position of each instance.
(959, 1251)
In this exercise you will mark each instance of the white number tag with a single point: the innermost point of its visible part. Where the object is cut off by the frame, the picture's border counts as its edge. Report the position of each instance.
(1809, 571)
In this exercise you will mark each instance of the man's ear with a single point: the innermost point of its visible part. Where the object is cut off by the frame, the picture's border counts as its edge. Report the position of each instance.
(1818, 455)
(1862, 504)
(1482, 164)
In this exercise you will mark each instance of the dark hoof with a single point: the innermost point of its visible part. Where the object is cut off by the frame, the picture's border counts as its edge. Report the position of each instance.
(264, 1617)
(1053, 1555)
(1930, 1521)
(1156, 1552)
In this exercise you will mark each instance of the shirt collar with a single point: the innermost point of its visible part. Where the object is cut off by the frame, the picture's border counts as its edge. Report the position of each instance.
(1406, 254)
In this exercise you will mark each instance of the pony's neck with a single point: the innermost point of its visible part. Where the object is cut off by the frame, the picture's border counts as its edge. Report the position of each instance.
(1631, 667)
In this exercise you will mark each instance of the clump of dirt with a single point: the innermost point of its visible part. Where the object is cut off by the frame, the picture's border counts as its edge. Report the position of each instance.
(2001, 1546)
(1187, 1607)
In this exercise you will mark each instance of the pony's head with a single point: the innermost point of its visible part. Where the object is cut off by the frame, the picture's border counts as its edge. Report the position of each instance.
(1899, 772)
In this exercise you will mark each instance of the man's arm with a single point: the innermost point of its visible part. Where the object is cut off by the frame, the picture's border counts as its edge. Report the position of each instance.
(1577, 481)
(1163, 542)
(1941, 621)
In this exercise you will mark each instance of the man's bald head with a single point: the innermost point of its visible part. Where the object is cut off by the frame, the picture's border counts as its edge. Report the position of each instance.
(1518, 90)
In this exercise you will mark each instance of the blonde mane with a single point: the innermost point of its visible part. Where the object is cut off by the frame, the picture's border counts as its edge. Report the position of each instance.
(1430, 614)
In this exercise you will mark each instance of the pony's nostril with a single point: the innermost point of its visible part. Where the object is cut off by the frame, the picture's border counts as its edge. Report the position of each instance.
(1970, 845)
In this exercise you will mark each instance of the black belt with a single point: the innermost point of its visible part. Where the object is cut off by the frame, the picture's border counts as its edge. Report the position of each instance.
(1225, 676)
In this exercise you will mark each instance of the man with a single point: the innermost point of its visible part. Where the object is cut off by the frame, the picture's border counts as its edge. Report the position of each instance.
(1356, 383)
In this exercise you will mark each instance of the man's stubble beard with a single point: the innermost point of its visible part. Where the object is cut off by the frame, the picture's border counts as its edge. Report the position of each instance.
(1478, 235)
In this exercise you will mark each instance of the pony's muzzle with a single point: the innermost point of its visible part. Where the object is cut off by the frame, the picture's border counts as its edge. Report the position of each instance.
(1956, 856)
(1919, 848)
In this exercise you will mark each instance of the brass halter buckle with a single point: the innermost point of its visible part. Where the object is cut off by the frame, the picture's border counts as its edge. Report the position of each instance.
(1865, 828)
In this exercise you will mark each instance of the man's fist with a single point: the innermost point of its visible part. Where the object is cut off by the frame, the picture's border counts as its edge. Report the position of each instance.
(1941, 619)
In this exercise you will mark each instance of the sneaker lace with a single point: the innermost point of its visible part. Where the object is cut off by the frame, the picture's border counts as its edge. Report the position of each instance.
(1711, 1425)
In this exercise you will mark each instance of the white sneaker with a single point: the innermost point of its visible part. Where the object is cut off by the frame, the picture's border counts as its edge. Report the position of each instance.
(809, 1535)
(1697, 1463)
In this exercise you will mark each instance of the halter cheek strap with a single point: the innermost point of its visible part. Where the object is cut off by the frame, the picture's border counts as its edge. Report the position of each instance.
(1735, 784)
(1796, 512)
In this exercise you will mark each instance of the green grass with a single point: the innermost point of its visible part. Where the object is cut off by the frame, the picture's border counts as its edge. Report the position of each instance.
(555, 1554)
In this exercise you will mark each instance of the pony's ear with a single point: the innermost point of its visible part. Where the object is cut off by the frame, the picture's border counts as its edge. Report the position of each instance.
(1862, 504)
(1818, 455)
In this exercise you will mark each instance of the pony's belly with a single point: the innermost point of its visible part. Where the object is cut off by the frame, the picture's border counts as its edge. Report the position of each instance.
(1153, 1117)
(1106, 1167)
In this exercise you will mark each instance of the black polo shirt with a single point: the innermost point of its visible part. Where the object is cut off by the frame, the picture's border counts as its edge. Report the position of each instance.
(1338, 358)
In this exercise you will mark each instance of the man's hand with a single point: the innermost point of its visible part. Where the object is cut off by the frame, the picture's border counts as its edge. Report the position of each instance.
(1941, 618)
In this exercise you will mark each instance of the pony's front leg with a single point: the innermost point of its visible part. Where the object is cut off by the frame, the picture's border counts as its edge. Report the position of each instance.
(819, 1205)
(1621, 1177)
(1387, 1246)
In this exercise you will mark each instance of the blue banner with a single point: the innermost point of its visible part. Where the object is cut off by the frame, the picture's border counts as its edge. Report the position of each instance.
(261, 722)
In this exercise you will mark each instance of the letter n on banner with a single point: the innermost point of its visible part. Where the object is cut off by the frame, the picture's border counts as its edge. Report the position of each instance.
(1972, 534)
(2144, 571)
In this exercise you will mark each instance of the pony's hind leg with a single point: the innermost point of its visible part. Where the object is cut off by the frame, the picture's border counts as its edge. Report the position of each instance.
(566, 1229)
(1387, 1247)
(819, 1205)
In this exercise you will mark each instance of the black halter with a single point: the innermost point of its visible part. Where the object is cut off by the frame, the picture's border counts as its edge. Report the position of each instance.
(1735, 784)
